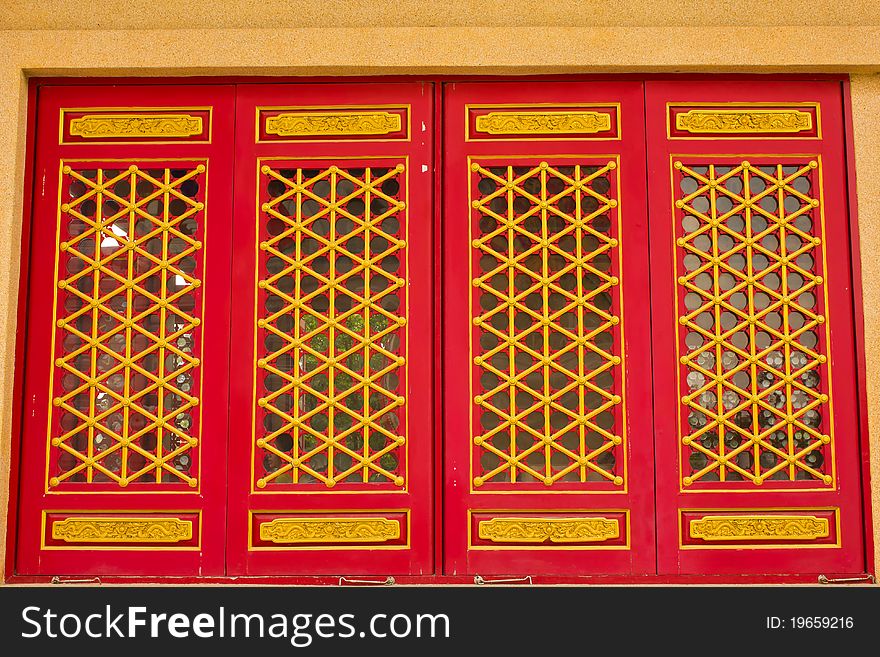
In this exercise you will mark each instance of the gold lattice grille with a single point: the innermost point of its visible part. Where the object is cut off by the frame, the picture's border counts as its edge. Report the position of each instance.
(547, 324)
(754, 379)
(331, 326)
(126, 372)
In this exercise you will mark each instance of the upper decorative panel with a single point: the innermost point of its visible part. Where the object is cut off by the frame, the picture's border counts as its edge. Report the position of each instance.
(331, 326)
(743, 121)
(309, 124)
(542, 122)
(135, 125)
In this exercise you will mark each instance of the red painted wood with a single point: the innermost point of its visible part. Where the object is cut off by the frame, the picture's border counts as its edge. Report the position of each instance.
(160, 499)
(416, 497)
(572, 497)
(773, 494)
(437, 397)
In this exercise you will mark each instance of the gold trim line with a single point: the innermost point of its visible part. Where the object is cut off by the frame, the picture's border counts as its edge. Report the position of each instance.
(555, 530)
(743, 121)
(759, 528)
(530, 123)
(136, 125)
(122, 530)
(330, 530)
(319, 124)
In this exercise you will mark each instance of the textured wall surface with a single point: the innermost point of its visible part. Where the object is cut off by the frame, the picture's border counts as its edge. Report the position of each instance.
(169, 14)
(866, 131)
(356, 37)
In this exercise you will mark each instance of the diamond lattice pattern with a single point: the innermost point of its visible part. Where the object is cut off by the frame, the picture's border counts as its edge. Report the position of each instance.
(752, 332)
(331, 328)
(128, 312)
(547, 330)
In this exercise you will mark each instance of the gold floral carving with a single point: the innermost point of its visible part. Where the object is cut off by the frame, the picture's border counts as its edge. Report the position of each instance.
(122, 530)
(329, 124)
(743, 121)
(330, 530)
(555, 530)
(543, 123)
(759, 528)
(136, 125)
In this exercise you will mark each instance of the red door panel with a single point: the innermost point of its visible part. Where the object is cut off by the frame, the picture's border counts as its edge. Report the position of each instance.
(123, 457)
(624, 391)
(332, 359)
(547, 398)
(756, 432)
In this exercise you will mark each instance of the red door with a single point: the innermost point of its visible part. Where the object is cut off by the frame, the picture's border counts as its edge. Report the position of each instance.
(757, 449)
(548, 433)
(586, 360)
(331, 431)
(124, 432)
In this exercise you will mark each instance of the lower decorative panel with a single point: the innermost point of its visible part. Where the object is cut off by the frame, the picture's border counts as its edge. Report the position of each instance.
(536, 530)
(271, 530)
(760, 528)
(114, 530)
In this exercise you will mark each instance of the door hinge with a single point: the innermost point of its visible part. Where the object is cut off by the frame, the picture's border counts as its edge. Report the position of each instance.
(388, 581)
(847, 580)
(60, 580)
(479, 581)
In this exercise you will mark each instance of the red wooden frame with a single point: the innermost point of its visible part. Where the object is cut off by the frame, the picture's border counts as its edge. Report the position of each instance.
(674, 498)
(632, 550)
(41, 86)
(203, 507)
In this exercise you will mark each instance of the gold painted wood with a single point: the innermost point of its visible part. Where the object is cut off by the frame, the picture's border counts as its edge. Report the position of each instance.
(367, 464)
(744, 121)
(324, 124)
(125, 384)
(330, 530)
(122, 530)
(759, 528)
(510, 466)
(555, 530)
(136, 125)
(727, 398)
(531, 123)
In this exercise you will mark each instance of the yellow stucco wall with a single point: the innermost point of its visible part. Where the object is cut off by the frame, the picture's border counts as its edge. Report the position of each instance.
(866, 131)
(361, 37)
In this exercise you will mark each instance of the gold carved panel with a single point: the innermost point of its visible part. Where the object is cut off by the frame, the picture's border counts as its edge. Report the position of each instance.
(324, 124)
(122, 530)
(330, 530)
(555, 530)
(745, 121)
(136, 125)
